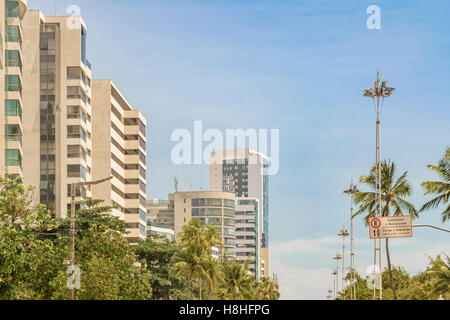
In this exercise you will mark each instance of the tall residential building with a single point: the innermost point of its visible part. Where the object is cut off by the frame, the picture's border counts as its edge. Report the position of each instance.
(119, 150)
(57, 129)
(250, 181)
(59, 126)
(11, 85)
(248, 234)
(209, 207)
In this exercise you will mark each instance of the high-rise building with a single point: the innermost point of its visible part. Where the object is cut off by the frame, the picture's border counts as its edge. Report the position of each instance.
(210, 208)
(248, 234)
(11, 88)
(57, 130)
(51, 135)
(248, 168)
(119, 150)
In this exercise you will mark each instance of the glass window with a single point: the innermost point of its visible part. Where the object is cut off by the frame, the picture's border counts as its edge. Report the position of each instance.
(12, 132)
(76, 171)
(12, 9)
(12, 108)
(13, 34)
(13, 58)
(13, 83)
(13, 157)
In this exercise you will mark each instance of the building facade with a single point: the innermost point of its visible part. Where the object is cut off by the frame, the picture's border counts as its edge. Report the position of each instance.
(119, 150)
(248, 170)
(51, 135)
(210, 208)
(11, 79)
(249, 234)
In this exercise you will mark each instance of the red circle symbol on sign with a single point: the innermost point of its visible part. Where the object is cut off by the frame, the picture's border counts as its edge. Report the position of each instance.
(375, 223)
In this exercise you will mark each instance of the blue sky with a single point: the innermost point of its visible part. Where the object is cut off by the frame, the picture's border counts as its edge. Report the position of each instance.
(298, 66)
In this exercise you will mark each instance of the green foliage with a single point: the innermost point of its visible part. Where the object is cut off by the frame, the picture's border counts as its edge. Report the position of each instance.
(432, 284)
(393, 197)
(439, 188)
(222, 277)
(156, 255)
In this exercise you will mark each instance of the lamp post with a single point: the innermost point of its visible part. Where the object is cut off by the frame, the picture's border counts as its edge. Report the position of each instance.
(73, 192)
(343, 233)
(335, 275)
(337, 258)
(351, 191)
(380, 90)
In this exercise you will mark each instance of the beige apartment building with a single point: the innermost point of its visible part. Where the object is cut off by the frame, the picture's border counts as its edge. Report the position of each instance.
(119, 150)
(51, 135)
(57, 108)
(211, 208)
(11, 93)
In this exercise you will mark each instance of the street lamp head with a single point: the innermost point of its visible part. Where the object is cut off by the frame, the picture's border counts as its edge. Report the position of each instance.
(337, 257)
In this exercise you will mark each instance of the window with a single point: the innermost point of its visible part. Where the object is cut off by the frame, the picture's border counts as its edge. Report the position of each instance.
(76, 171)
(13, 157)
(13, 58)
(13, 34)
(73, 73)
(12, 9)
(13, 83)
(13, 133)
(12, 108)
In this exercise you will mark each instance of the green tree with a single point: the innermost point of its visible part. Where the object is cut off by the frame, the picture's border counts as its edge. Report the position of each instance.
(156, 254)
(192, 262)
(441, 283)
(439, 188)
(26, 262)
(238, 281)
(394, 190)
(108, 263)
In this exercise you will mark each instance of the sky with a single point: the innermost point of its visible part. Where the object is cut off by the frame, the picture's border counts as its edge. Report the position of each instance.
(300, 67)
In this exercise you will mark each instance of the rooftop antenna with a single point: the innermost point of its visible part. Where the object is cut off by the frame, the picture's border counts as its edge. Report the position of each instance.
(176, 183)
(55, 9)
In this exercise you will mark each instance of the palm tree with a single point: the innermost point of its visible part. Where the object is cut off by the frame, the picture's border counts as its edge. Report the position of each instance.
(214, 274)
(268, 290)
(238, 279)
(440, 188)
(442, 282)
(191, 260)
(194, 233)
(393, 196)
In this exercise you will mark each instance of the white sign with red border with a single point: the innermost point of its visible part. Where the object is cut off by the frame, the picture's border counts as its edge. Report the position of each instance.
(390, 227)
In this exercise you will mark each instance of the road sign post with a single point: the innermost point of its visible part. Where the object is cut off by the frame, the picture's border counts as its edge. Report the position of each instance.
(390, 227)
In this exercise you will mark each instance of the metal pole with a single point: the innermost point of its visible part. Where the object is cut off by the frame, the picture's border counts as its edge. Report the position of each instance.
(73, 193)
(378, 91)
(73, 188)
(430, 226)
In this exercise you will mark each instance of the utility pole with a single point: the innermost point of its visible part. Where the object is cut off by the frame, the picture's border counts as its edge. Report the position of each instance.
(351, 191)
(73, 192)
(343, 233)
(380, 90)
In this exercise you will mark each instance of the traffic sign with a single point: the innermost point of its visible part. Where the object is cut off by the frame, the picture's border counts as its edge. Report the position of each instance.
(390, 227)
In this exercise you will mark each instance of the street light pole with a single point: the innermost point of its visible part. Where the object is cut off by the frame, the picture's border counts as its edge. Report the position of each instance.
(380, 90)
(337, 258)
(343, 233)
(334, 274)
(351, 191)
(73, 192)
